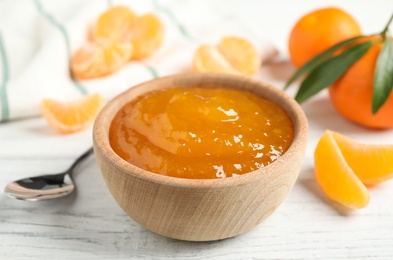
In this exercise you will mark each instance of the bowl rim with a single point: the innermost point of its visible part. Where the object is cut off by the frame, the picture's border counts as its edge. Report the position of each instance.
(101, 140)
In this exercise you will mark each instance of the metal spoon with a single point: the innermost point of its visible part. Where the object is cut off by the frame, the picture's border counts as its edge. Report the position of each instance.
(47, 186)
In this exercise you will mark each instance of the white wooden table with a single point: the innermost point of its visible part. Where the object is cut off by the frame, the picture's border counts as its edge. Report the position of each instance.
(88, 224)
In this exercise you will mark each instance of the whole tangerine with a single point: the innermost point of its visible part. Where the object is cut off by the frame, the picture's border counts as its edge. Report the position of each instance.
(319, 30)
(352, 94)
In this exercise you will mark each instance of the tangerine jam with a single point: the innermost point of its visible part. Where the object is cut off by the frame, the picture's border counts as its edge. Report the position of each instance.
(200, 133)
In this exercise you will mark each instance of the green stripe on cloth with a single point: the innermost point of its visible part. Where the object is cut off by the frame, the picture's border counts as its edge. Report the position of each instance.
(170, 14)
(152, 71)
(5, 113)
(63, 31)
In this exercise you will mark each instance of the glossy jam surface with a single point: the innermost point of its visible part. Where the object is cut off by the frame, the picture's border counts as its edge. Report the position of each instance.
(200, 133)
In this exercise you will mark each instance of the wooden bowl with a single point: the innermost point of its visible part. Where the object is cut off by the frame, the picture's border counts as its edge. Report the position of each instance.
(200, 210)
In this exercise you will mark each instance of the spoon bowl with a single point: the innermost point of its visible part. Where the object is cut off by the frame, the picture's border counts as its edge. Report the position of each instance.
(41, 187)
(45, 187)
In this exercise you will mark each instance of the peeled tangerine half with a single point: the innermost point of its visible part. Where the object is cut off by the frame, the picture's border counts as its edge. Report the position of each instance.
(147, 36)
(336, 177)
(72, 116)
(232, 55)
(115, 24)
(97, 60)
(121, 24)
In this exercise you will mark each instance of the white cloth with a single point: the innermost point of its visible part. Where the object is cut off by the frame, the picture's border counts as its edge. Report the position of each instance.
(34, 63)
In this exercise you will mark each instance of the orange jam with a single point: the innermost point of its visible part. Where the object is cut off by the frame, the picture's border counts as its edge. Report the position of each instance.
(200, 133)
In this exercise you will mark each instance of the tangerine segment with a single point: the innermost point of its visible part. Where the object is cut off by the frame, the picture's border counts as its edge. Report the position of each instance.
(209, 59)
(115, 24)
(335, 177)
(71, 116)
(147, 35)
(371, 163)
(240, 53)
(94, 60)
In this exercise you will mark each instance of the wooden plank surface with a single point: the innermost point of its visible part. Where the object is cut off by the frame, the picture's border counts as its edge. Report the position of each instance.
(89, 224)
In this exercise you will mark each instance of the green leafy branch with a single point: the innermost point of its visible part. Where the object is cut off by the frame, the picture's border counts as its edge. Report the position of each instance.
(327, 67)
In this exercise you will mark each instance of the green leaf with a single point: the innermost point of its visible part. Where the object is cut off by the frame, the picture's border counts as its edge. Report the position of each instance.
(383, 79)
(330, 70)
(319, 59)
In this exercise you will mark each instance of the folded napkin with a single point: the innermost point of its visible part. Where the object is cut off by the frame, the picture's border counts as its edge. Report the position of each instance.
(38, 38)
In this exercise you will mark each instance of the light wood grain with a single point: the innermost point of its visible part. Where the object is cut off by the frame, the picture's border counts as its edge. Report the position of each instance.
(200, 210)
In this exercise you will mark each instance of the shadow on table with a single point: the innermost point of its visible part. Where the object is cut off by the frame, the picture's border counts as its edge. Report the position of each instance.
(280, 70)
(322, 115)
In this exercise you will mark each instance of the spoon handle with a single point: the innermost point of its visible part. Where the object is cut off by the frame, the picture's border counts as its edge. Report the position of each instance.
(80, 159)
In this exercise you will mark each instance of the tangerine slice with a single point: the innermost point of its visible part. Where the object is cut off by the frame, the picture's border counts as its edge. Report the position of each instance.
(94, 60)
(71, 116)
(209, 59)
(232, 55)
(240, 53)
(147, 35)
(335, 176)
(115, 24)
(371, 163)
